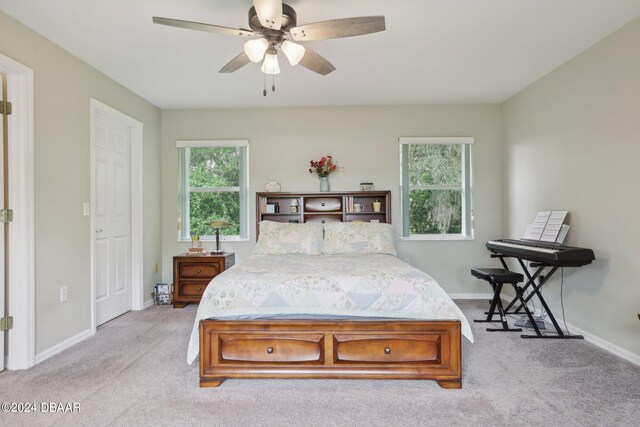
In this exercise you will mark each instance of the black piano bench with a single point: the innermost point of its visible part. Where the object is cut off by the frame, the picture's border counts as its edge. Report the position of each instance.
(497, 277)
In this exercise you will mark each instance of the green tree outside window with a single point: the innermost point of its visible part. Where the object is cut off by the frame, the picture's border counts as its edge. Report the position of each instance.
(212, 180)
(437, 180)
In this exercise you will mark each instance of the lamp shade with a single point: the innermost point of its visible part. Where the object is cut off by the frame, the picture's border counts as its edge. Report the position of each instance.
(270, 64)
(219, 224)
(255, 49)
(293, 51)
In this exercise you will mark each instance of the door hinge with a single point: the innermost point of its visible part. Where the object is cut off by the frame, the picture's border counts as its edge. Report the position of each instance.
(6, 215)
(5, 108)
(6, 323)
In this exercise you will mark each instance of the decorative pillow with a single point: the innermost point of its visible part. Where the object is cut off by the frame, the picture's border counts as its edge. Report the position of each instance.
(358, 238)
(280, 238)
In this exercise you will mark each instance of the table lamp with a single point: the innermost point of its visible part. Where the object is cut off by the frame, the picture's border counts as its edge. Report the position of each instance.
(217, 225)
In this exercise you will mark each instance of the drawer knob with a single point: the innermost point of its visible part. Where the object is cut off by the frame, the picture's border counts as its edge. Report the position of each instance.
(322, 204)
(199, 289)
(270, 350)
(199, 270)
(387, 350)
(323, 221)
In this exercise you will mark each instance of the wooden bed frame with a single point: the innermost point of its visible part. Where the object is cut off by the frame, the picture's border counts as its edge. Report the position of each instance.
(363, 349)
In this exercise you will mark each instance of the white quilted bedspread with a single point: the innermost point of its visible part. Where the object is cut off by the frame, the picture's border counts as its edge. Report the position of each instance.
(360, 285)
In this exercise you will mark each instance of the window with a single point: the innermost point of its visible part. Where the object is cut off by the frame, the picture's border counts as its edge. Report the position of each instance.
(435, 176)
(214, 183)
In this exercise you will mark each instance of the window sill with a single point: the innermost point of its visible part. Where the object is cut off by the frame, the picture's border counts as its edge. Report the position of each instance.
(436, 237)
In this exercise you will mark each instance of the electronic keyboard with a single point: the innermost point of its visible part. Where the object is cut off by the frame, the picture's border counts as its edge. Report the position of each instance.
(549, 253)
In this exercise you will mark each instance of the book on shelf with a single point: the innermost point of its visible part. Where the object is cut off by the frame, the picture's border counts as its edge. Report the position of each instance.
(349, 203)
(197, 251)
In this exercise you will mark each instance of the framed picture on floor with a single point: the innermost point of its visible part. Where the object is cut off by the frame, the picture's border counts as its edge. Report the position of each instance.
(162, 294)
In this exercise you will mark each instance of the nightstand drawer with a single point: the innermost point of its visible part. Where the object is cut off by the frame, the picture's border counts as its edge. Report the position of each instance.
(193, 289)
(199, 270)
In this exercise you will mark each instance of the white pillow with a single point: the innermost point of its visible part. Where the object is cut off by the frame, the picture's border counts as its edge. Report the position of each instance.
(358, 238)
(280, 238)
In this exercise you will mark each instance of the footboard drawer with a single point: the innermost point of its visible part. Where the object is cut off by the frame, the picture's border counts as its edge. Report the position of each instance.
(270, 348)
(393, 349)
(387, 348)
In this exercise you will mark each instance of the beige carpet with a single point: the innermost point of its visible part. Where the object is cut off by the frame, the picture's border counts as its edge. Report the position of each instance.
(133, 372)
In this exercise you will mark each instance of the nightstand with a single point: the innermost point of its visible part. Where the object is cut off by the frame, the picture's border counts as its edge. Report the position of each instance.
(192, 274)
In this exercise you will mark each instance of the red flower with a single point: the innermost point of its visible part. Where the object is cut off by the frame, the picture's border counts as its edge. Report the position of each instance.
(323, 167)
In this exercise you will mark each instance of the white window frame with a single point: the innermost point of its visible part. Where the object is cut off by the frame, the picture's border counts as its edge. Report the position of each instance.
(466, 187)
(185, 190)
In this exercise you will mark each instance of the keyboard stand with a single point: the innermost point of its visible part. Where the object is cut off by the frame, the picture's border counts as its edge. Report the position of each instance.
(535, 291)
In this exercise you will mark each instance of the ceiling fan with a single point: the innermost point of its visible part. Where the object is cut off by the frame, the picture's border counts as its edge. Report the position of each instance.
(276, 23)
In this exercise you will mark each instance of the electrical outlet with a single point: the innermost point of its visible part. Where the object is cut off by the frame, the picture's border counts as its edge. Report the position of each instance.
(86, 209)
(63, 294)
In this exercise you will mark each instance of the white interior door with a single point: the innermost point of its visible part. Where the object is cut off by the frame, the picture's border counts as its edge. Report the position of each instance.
(3, 142)
(112, 217)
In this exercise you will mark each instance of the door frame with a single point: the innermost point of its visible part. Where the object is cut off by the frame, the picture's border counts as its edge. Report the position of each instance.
(137, 275)
(22, 338)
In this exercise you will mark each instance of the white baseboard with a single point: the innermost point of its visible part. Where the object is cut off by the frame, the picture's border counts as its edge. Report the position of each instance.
(589, 337)
(604, 344)
(471, 296)
(148, 303)
(41, 357)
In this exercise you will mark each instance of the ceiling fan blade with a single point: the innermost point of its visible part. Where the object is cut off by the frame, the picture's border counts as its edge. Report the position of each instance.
(338, 28)
(269, 12)
(316, 63)
(236, 63)
(198, 26)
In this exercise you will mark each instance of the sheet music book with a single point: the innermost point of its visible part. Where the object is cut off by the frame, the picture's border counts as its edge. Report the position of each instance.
(547, 227)
(564, 230)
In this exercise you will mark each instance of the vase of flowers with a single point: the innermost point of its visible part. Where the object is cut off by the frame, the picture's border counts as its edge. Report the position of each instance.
(323, 168)
(325, 185)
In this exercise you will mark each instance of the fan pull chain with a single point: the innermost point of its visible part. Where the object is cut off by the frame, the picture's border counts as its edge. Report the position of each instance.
(273, 83)
(264, 86)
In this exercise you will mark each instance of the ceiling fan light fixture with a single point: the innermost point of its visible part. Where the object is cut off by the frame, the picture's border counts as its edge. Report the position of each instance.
(293, 51)
(255, 49)
(270, 64)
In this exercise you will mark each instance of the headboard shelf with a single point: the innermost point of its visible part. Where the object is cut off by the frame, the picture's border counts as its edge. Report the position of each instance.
(343, 206)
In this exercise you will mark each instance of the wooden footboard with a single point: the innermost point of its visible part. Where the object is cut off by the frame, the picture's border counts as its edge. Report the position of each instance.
(397, 349)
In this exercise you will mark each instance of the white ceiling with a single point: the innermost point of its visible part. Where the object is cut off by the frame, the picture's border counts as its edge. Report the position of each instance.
(433, 51)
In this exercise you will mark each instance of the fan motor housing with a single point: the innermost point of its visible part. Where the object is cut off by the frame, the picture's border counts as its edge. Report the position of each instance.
(289, 20)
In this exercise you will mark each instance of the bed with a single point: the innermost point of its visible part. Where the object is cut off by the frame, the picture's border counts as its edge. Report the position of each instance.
(320, 314)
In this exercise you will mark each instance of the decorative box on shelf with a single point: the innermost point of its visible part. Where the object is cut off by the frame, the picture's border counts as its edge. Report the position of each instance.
(366, 186)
